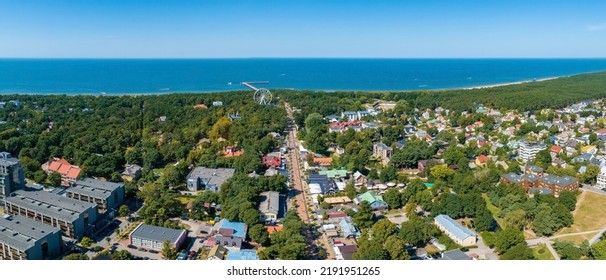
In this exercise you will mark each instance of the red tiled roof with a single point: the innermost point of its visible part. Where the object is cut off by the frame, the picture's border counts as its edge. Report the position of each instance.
(601, 131)
(483, 158)
(556, 149)
(272, 229)
(324, 161)
(230, 152)
(337, 215)
(73, 172)
(54, 166)
(271, 161)
(64, 168)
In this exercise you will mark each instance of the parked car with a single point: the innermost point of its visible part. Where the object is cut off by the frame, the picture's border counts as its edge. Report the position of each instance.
(192, 254)
(182, 256)
(131, 246)
(153, 251)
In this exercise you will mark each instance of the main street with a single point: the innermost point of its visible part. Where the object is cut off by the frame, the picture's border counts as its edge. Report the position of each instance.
(296, 173)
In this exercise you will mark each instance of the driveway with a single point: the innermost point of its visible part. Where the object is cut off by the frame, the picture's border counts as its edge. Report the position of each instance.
(397, 218)
(483, 251)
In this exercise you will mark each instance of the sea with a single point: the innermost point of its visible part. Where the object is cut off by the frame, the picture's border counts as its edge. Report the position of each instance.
(160, 76)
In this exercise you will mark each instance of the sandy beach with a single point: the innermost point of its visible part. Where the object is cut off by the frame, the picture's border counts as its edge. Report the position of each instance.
(516, 83)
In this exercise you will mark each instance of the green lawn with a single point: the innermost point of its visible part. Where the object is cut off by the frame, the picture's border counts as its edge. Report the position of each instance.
(578, 239)
(493, 209)
(186, 199)
(542, 253)
(589, 215)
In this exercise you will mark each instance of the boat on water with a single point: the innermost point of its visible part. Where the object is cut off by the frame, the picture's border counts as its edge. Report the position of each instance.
(229, 83)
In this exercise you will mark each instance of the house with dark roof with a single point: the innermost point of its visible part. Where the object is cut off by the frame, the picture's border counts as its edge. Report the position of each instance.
(455, 255)
(153, 237)
(269, 205)
(131, 172)
(346, 251)
(324, 184)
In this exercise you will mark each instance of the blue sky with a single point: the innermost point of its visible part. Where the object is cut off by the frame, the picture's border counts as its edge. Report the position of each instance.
(294, 28)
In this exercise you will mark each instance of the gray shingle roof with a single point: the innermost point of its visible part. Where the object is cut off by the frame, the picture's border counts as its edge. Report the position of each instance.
(269, 202)
(211, 176)
(155, 233)
(455, 255)
(453, 227)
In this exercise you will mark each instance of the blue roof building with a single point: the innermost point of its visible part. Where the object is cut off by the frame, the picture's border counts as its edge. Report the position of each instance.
(459, 234)
(348, 229)
(242, 255)
(230, 234)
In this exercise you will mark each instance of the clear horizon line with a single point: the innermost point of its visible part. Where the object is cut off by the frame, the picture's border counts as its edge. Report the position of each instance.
(287, 57)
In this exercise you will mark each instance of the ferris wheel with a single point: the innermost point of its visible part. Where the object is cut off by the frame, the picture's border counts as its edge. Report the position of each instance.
(262, 95)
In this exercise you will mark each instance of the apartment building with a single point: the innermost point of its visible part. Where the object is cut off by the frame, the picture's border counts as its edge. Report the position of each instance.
(75, 218)
(25, 239)
(12, 176)
(107, 195)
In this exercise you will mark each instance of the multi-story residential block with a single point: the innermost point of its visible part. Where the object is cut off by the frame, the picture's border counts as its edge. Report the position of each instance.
(208, 178)
(107, 195)
(75, 218)
(153, 237)
(25, 239)
(12, 176)
(528, 150)
(534, 180)
(382, 151)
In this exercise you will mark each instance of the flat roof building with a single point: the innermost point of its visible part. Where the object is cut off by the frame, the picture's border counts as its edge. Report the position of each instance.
(230, 234)
(75, 218)
(153, 237)
(107, 195)
(12, 176)
(208, 178)
(25, 239)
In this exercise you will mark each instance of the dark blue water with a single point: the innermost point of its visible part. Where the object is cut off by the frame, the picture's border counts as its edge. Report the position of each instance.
(91, 76)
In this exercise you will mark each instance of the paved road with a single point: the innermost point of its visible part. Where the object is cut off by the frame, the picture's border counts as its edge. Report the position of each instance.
(296, 173)
(483, 251)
